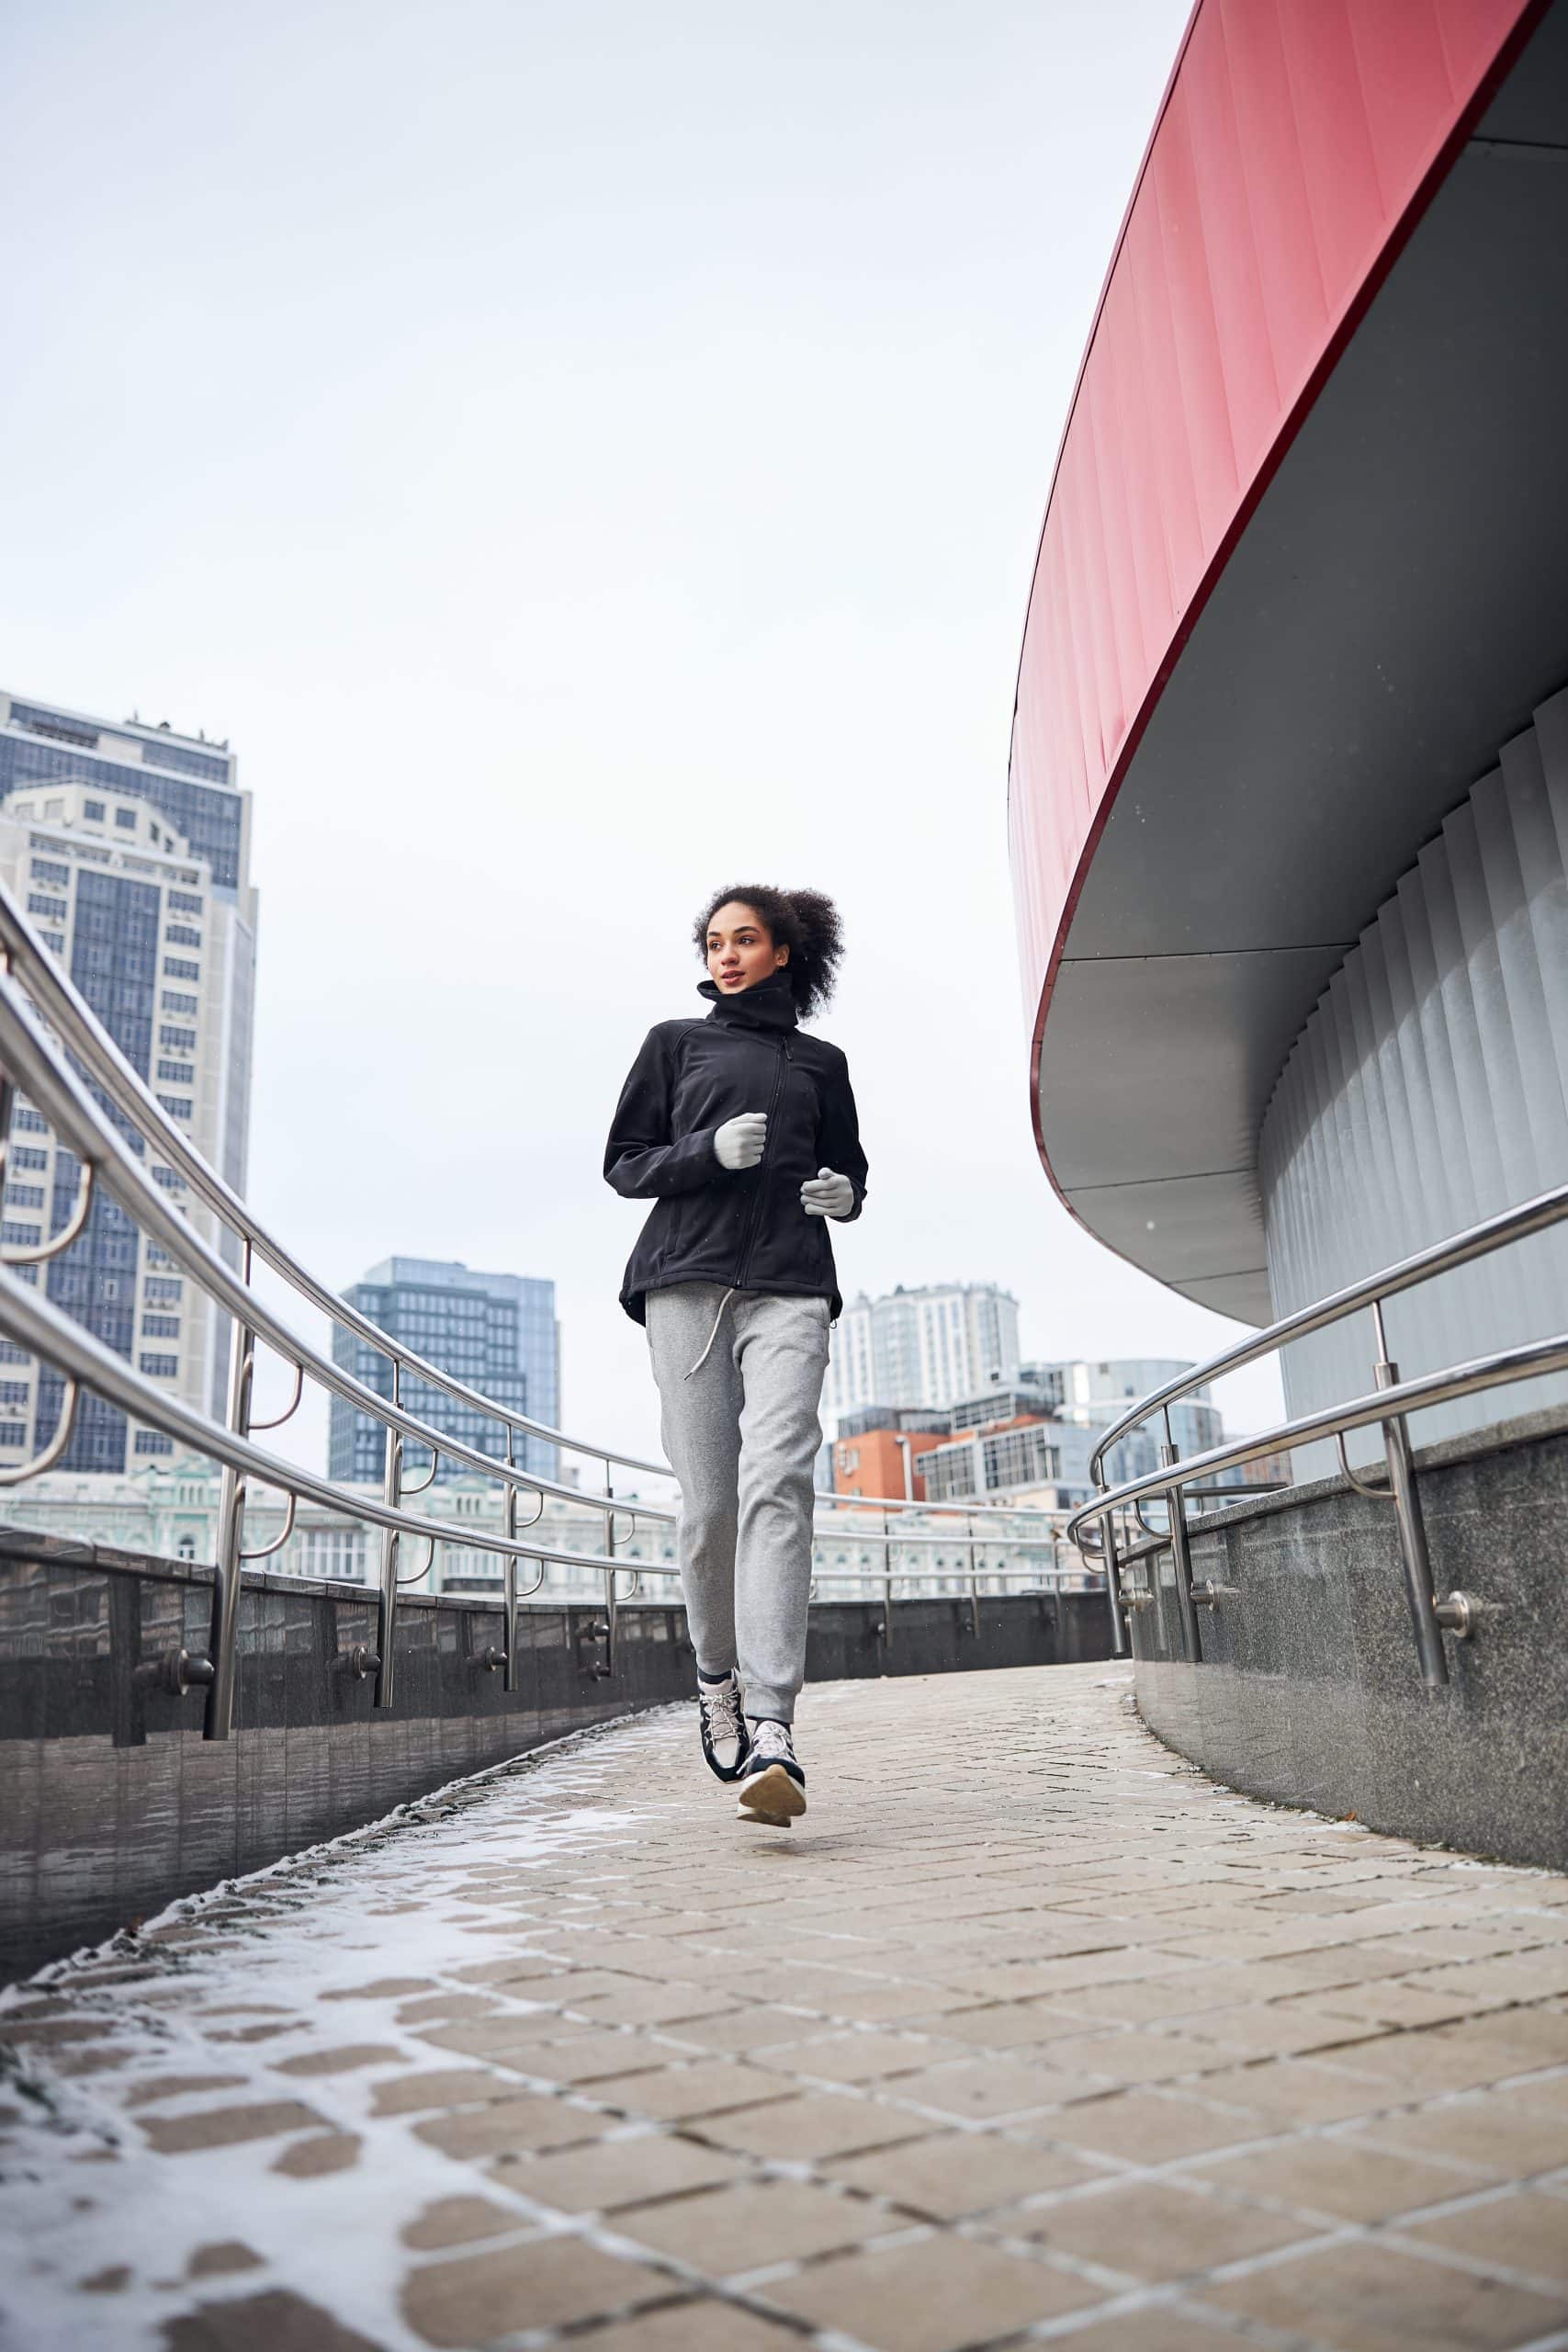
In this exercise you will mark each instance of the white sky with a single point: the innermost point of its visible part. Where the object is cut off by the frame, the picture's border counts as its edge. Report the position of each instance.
(582, 456)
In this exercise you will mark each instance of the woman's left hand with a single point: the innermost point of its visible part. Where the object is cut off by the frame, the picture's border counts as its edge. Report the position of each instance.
(825, 1194)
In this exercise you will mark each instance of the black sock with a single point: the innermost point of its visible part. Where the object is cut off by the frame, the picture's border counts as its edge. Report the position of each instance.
(715, 1677)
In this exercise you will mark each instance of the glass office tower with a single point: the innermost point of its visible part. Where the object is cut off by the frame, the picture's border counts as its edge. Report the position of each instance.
(128, 846)
(497, 1333)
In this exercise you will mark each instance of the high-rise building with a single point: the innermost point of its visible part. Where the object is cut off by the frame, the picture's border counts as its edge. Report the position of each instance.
(928, 1347)
(1095, 1395)
(495, 1332)
(129, 847)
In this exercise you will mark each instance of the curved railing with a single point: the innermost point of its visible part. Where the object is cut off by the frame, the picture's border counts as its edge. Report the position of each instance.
(1386, 1408)
(55, 1052)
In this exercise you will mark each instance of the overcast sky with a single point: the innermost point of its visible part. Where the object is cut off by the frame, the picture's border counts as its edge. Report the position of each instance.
(582, 456)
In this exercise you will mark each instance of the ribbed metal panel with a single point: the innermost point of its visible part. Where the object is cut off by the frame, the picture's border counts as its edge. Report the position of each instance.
(1430, 1088)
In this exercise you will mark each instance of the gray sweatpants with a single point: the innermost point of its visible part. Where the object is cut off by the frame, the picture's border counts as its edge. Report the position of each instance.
(740, 1433)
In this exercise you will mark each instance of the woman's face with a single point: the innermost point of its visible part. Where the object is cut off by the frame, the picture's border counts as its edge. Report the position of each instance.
(740, 948)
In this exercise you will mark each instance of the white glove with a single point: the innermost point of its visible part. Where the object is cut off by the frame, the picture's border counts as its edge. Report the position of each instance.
(741, 1142)
(825, 1194)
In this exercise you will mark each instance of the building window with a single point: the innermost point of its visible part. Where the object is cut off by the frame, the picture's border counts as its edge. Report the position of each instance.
(20, 1237)
(48, 870)
(168, 1179)
(13, 1433)
(14, 1392)
(185, 902)
(173, 1002)
(94, 811)
(54, 940)
(180, 934)
(160, 1326)
(177, 1073)
(55, 725)
(178, 1106)
(152, 1442)
(333, 1552)
(126, 820)
(28, 1120)
(27, 1155)
(53, 909)
(24, 1197)
(180, 968)
(168, 1291)
(159, 1367)
(177, 1041)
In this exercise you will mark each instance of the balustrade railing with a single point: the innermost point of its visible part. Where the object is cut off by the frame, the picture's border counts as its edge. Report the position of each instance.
(1113, 1530)
(55, 1052)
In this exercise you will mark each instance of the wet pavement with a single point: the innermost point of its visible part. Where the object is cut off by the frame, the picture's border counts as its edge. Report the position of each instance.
(1027, 2031)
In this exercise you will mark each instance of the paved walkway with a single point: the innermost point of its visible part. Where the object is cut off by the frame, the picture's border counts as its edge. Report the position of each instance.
(1028, 2031)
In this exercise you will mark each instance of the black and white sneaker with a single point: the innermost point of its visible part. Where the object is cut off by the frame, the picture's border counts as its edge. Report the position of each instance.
(726, 1740)
(772, 1790)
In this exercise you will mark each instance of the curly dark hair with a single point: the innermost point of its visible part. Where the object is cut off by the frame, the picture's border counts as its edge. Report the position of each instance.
(802, 921)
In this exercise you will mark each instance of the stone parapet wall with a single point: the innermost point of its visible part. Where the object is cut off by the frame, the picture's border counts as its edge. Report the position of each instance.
(1309, 1690)
(112, 1804)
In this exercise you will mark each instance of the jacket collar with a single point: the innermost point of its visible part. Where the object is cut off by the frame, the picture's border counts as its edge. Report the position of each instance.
(770, 1005)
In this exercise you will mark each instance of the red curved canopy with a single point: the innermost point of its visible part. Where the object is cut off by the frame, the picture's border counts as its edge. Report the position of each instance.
(1297, 146)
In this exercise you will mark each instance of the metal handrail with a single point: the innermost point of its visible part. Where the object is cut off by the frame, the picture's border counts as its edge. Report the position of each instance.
(1535, 1216)
(1526, 1363)
(38, 1325)
(34, 992)
(67, 1012)
(59, 1094)
(1387, 1407)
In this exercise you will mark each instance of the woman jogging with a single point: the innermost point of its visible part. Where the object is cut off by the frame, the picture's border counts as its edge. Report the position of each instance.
(741, 1130)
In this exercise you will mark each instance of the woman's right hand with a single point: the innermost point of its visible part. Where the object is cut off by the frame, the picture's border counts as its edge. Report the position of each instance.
(741, 1142)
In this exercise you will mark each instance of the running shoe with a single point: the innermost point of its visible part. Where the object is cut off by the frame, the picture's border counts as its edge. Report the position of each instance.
(726, 1740)
(772, 1791)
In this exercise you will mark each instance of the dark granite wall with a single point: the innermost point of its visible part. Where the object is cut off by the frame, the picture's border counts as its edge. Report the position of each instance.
(111, 1803)
(1309, 1689)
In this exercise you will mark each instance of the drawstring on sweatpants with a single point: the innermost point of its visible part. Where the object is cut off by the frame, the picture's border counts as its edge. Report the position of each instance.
(713, 1335)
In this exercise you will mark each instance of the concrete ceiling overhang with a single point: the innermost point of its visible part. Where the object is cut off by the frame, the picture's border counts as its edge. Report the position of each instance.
(1389, 616)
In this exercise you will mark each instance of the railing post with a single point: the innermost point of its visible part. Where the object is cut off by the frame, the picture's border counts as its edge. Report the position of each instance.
(1181, 1550)
(1413, 1555)
(219, 1715)
(1114, 1584)
(508, 1526)
(974, 1579)
(610, 1573)
(387, 1607)
(886, 1582)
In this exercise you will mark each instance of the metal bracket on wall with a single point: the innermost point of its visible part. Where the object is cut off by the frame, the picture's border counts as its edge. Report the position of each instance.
(595, 1633)
(175, 1673)
(1211, 1592)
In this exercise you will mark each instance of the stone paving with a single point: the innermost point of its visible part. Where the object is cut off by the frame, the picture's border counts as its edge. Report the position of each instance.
(1028, 2031)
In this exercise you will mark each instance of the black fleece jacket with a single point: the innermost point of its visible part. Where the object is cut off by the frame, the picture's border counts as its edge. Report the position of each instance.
(744, 1228)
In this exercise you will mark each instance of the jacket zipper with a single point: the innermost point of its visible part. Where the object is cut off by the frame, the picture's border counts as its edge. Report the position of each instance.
(750, 1241)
